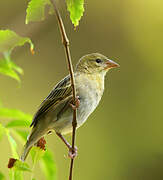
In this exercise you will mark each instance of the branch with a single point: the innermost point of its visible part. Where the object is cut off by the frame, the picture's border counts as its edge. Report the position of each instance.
(66, 44)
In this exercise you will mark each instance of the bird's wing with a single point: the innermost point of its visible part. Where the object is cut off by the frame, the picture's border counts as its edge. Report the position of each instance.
(60, 92)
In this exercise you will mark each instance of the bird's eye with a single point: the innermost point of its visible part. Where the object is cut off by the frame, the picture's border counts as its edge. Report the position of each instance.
(98, 60)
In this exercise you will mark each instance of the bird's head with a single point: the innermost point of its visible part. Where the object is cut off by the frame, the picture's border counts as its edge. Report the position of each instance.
(95, 63)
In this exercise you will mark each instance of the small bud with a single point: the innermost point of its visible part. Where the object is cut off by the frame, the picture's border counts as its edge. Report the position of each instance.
(41, 143)
(32, 51)
(11, 162)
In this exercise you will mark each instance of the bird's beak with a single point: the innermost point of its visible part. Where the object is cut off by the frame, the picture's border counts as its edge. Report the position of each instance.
(111, 64)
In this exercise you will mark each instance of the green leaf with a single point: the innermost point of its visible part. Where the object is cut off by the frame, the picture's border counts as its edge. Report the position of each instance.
(22, 133)
(76, 9)
(13, 146)
(36, 154)
(15, 175)
(21, 166)
(9, 40)
(16, 172)
(18, 123)
(48, 166)
(18, 175)
(16, 67)
(36, 10)
(7, 68)
(14, 114)
(11, 174)
(2, 131)
(2, 177)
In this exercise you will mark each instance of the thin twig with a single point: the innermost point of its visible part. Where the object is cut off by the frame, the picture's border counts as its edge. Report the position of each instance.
(66, 44)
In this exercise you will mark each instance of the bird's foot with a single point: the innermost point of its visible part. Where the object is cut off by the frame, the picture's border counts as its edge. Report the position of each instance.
(72, 152)
(77, 103)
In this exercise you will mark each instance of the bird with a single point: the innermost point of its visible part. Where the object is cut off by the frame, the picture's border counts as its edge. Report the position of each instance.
(56, 112)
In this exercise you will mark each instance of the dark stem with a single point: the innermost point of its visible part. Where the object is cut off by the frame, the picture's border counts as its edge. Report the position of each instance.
(66, 44)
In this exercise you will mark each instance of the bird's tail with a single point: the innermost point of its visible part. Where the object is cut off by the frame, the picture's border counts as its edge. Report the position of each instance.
(35, 135)
(26, 150)
(32, 138)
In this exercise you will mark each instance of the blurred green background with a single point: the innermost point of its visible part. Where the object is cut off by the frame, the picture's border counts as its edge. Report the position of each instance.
(123, 138)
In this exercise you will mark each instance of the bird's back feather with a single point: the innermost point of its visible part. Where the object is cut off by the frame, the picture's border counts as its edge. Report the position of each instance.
(60, 91)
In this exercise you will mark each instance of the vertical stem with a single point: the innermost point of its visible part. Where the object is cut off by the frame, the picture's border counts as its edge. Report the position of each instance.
(34, 164)
(66, 44)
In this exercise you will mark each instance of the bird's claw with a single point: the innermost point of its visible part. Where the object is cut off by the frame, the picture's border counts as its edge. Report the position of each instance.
(72, 152)
(77, 103)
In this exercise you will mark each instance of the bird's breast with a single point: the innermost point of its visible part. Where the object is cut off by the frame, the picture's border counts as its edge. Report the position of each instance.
(90, 91)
